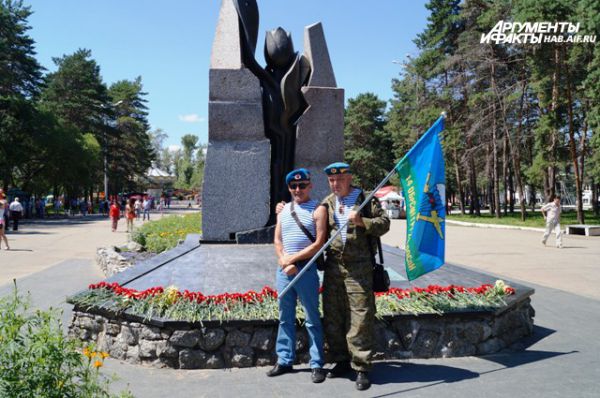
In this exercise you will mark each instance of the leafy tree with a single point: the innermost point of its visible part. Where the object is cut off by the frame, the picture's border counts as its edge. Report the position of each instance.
(367, 144)
(157, 139)
(76, 95)
(131, 151)
(78, 101)
(20, 82)
(187, 165)
(588, 13)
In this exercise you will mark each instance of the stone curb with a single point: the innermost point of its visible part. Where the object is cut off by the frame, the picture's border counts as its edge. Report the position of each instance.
(231, 345)
(493, 226)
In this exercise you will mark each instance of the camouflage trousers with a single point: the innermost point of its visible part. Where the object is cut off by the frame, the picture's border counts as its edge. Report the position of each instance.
(349, 312)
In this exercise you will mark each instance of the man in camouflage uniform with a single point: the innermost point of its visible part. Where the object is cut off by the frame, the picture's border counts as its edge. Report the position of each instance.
(348, 300)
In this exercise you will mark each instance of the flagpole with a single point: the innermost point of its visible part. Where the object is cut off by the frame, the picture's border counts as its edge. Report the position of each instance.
(339, 231)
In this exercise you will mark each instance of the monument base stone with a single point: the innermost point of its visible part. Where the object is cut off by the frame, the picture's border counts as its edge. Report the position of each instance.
(239, 203)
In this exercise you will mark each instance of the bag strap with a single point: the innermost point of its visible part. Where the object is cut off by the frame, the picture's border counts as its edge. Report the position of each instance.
(300, 225)
(363, 212)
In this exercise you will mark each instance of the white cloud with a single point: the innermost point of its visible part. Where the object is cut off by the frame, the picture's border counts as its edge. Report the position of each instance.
(191, 118)
(174, 148)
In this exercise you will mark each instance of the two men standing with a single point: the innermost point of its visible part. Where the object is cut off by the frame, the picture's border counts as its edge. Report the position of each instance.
(348, 301)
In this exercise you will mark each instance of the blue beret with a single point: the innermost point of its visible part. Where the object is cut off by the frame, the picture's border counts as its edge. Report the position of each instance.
(337, 168)
(297, 175)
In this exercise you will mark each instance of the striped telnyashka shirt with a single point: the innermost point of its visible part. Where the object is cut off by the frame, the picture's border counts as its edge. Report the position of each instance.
(341, 217)
(292, 236)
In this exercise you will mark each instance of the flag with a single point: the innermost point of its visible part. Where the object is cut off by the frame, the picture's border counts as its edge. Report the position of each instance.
(422, 175)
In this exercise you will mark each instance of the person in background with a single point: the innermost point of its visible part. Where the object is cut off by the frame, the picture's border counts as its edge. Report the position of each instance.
(114, 214)
(16, 211)
(83, 207)
(138, 208)
(3, 224)
(4, 212)
(551, 212)
(146, 205)
(130, 214)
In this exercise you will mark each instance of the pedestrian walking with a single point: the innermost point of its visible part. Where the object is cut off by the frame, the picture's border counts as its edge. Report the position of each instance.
(16, 211)
(114, 214)
(3, 224)
(83, 207)
(551, 213)
(138, 208)
(147, 205)
(130, 214)
(73, 206)
(4, 213)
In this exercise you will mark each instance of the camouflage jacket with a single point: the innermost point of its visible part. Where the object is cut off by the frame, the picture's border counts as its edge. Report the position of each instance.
(356, 249)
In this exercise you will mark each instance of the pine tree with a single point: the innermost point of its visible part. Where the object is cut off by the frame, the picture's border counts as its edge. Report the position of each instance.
(367, 144)
(20, 82)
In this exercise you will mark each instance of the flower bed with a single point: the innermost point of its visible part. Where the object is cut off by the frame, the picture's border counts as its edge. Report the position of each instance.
(187, 330)
(158, 236)
(170, 303)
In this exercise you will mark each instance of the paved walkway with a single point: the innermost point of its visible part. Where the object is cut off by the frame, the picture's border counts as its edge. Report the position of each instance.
(520, 255)
(54, 259)
(40, 244)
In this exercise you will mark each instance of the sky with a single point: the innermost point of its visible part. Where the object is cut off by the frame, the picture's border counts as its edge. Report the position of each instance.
(168, 44)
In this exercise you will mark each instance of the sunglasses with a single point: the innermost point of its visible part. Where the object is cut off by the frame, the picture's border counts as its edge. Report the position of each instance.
(301, 185)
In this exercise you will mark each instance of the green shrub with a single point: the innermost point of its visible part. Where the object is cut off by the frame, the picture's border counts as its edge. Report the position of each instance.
(158, 236)
(37, 360)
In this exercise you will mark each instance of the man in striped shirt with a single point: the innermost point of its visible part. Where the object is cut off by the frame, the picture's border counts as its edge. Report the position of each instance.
(294, 248)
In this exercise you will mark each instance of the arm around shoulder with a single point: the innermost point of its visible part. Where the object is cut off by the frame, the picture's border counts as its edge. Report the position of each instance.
(320, 217)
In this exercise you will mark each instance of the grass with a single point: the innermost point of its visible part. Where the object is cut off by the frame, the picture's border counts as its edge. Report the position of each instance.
(533, 219)
(158, 236)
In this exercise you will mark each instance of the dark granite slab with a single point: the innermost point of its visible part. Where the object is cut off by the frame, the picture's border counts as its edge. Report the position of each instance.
(219, 268)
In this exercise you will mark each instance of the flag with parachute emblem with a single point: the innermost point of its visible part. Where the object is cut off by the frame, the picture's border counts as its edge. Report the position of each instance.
(422, 175)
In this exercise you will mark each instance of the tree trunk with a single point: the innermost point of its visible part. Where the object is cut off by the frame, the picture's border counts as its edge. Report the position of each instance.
(505, 172)
(458, 175)
(474, 207)
(516, 152)
(489, 190)
(573, 150)
(550, 187)
(494, 174)
(582, 147)
(511, 187)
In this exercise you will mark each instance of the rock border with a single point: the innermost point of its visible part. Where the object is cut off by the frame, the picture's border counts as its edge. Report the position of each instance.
(242, 344)
(112, 259)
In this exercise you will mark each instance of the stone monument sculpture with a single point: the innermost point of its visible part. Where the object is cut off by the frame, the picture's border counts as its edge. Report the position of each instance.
(264, 122)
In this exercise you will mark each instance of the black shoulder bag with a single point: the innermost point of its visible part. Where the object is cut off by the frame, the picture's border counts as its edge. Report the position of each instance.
(320, 261)
(381, 278)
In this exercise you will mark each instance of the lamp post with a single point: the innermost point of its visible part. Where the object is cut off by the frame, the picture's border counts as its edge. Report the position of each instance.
(106, 156)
